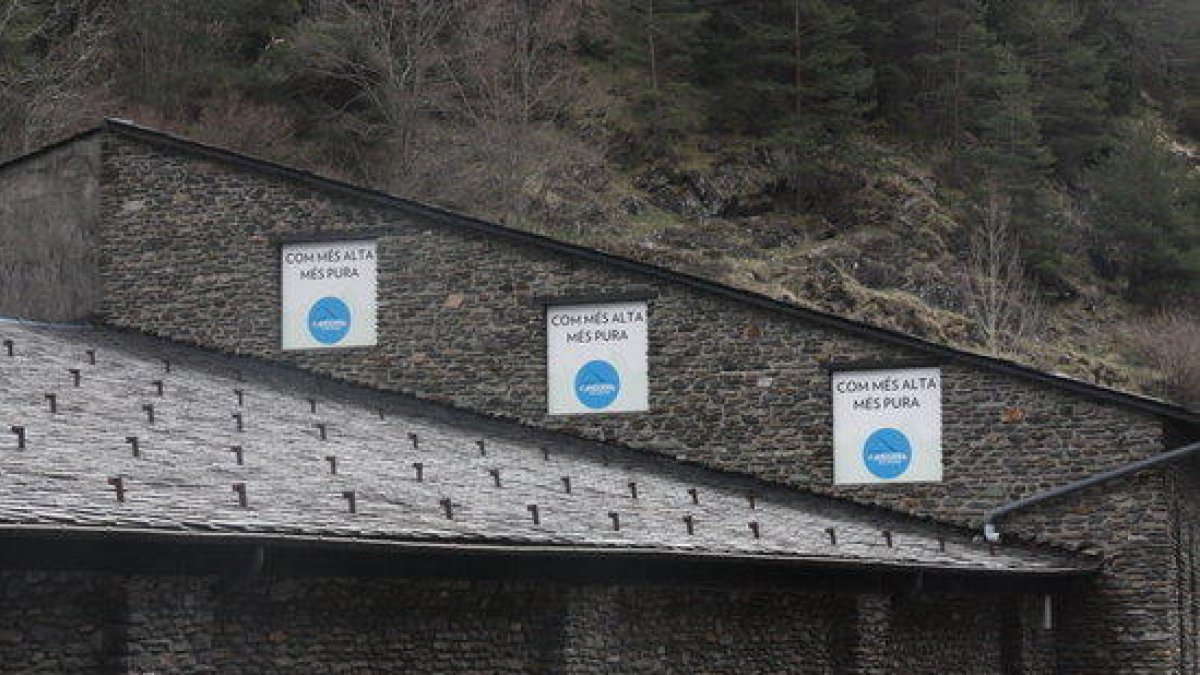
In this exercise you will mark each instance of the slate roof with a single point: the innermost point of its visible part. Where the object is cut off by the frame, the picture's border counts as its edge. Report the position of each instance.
(182, 479)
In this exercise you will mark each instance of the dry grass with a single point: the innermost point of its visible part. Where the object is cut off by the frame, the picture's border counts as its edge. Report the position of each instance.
(1169, 344)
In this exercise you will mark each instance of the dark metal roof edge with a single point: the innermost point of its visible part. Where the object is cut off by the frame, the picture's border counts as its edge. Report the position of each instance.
(501, 547)
(993, 516)
(47, 149)
(568, 300)
(953, 354)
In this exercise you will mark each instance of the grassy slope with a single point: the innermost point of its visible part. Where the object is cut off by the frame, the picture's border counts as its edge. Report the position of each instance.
(890, 252)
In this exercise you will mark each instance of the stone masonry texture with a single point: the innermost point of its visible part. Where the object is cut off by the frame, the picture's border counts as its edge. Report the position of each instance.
(187, 248)
(47, 238)
(732, 386)
(190, 251)
(141, 624)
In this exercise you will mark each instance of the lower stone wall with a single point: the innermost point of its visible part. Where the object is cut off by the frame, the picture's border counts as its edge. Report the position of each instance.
(951, 634)
(346, 625)
(1186, 545)
(963, 635)
(60, 623)
(101, 623)
(1127, 618)
(655, 629)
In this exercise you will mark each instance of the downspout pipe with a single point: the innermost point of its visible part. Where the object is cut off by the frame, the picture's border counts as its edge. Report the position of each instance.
(991, 531)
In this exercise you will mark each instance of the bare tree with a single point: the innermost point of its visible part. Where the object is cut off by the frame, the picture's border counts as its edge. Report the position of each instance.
(385, 58)
(999, 299)
(455, 101)
(1169, 344)
(513, 75)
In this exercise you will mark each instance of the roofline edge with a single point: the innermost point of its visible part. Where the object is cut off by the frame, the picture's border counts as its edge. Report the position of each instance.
(51, 147)
(465, 547)
(952, 354)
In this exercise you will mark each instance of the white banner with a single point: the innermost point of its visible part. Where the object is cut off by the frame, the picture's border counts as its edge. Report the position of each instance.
(328, 294)
(596, 358)
(887, 426)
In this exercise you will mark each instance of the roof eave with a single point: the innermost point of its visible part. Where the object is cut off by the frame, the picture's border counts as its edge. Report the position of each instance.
(500, 548)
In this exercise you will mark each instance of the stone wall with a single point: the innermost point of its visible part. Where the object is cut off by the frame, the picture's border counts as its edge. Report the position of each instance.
(60, 622)
(732, 386)
(1187, 579)
(190, 252)
(1127, 618)
(48, 214)
(135, 624)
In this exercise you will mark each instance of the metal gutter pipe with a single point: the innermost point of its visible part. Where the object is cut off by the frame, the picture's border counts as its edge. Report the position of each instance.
(992, 533)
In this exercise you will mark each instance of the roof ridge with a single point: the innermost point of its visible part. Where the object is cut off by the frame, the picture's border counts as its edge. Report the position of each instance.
(51, 147)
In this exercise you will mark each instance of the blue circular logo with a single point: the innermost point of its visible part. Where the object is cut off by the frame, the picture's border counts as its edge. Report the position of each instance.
(597, 384)
(887, 453)
(329, 320)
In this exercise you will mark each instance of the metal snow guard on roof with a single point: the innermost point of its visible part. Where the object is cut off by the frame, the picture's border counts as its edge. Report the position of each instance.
(154, 438)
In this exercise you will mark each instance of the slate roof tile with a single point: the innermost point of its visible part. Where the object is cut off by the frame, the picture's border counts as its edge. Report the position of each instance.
(183, 476)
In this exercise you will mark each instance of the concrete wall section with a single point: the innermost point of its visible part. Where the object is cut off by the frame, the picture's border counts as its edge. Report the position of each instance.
(48, 214)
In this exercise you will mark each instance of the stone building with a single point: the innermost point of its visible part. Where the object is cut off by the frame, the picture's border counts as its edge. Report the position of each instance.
(262, 421)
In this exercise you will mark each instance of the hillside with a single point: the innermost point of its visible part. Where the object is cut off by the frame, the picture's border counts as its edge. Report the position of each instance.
(1017, 177)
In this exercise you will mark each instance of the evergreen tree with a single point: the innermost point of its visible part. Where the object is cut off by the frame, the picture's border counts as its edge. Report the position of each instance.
(1067, 76)
(888, 48)
(1146, 204)
(657, 55)
(978, 109)
(952, 53)
(1008, 151)
(788, 73)
(1009, 159)
(788, 66)
(974, 95)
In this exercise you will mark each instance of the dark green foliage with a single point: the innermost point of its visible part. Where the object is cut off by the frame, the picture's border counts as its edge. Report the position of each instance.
(1008, 150)
(970, 99)
(951, 54)
(788, 73)
(658, 55)
(1146, 203)
(178, 53)
(1066, 73)
(972, 95)
(1010, 100)
(1150, 51)
(788, 67)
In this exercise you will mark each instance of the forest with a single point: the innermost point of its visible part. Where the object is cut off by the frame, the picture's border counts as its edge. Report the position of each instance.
(1019, 177)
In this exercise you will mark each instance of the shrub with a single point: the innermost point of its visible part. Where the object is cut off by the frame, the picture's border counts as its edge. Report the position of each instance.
(1169, 343)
